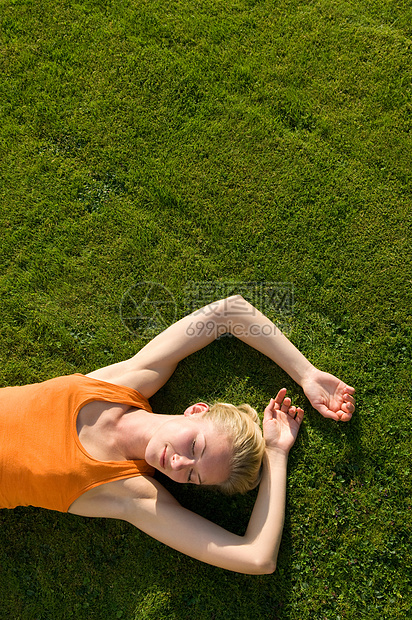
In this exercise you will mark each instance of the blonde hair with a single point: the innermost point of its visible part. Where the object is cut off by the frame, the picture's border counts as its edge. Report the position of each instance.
(248, 445)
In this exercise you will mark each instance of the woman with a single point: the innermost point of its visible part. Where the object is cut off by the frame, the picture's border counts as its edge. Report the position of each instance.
(89, 445)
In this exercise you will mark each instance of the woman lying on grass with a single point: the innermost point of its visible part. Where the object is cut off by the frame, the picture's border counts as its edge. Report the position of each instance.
(89, 444)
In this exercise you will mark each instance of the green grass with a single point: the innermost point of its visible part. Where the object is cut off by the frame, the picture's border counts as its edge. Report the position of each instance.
(242, 141)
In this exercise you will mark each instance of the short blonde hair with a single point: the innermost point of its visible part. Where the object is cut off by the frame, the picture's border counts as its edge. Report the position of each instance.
(248, 445)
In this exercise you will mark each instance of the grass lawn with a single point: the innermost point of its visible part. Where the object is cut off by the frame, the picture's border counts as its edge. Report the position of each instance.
(222, 143)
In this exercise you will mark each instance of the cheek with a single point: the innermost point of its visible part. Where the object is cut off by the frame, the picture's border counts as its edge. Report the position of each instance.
(177, 437)
(150, 454)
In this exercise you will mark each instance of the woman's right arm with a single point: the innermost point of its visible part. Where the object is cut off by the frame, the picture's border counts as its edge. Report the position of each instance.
(162, 517)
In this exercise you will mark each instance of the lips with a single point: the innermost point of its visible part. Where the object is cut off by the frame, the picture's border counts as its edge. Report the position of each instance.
(163, 458)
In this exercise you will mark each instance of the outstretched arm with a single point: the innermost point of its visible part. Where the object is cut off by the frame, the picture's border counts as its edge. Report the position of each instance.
(152, 366)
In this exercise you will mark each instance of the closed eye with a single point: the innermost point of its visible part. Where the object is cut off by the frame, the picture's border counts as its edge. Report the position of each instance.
(193, 453)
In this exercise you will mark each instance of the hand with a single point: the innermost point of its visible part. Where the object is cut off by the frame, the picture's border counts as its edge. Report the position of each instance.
(281, 422)
(330, 396)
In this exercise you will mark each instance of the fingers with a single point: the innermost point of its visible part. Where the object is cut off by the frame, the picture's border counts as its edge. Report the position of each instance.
(348, 407)
(328, 413)
(280, 397)
(274, 405)
(284, 404)
(297, 414)
(349, 399)
(339, 416)
(345, 417)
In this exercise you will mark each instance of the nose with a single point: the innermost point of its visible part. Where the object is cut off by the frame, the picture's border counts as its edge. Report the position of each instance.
(179, 462)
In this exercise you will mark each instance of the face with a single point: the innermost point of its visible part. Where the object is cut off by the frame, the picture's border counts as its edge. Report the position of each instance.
(189, 448)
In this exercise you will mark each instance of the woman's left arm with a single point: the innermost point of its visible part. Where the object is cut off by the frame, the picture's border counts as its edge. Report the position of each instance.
(152, 366)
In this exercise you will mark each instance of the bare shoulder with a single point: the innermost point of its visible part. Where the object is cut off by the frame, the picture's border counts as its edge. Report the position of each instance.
(121, 498)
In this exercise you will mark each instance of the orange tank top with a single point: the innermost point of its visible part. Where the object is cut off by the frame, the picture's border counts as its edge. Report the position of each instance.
(42, 461)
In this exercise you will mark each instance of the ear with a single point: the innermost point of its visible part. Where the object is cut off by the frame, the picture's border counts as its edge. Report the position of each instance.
(198, 408)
